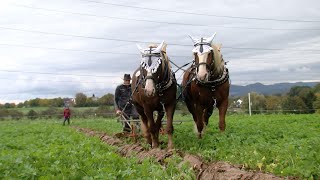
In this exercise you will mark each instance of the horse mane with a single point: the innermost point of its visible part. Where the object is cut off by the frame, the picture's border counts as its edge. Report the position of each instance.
(218, 60)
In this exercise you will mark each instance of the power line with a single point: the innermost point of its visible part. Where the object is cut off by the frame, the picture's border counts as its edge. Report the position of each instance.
(203, 14)
(136, 41)
(91, 91)
(61, 49)
(117, 53)
(50, 73)
(77, 36)
(63, 81)
(163, 22)
(107, 52)
(78, 50)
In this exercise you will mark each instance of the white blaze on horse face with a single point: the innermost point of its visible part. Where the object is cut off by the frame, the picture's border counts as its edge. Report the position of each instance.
(202, 49)
(151, 61)
(150, 87)
(202, 71)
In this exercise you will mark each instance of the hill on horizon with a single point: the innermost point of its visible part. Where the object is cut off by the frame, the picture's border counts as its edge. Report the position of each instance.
(278, 88)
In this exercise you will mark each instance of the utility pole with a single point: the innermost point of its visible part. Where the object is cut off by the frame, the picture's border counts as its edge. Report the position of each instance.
(249, 104)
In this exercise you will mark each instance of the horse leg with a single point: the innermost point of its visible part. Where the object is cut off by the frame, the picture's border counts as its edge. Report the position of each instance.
(153, 129)
(199, 119)
(159, 121)
(223, 106)
(169, 128)
(145, 128)
(207, 115)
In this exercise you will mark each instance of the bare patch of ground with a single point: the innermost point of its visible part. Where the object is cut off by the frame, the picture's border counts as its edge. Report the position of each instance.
(215, 170)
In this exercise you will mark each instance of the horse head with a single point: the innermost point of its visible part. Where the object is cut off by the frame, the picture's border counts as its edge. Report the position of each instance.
(204, 56)
(152, 58)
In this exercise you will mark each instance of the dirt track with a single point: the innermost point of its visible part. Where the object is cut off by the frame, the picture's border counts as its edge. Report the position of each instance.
(216, 170)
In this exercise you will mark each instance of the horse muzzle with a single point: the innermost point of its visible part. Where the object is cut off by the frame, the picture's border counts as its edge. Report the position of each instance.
(203, 76)
(150, 88)
(150, 93)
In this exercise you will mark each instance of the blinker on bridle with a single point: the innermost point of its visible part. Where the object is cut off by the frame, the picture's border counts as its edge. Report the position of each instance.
(201, 43)
(147, 62)
(151, 55)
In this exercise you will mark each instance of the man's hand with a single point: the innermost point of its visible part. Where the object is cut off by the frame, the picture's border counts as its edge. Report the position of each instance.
(118, 112)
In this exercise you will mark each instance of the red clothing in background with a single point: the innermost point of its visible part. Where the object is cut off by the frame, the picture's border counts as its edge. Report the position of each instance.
(66, 113)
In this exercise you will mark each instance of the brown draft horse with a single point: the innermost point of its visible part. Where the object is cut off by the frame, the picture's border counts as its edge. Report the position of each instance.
(206, 84)
(154, 88)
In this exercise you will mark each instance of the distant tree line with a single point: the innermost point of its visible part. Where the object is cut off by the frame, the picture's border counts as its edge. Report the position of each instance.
(96, 107)
(300, 99)
(56, 113)
(80, 100)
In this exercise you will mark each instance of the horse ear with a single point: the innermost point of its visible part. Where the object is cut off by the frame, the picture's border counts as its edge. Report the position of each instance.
(164, 48)
(193, 39)
(209, 40)
(159, 48)
(140, 49)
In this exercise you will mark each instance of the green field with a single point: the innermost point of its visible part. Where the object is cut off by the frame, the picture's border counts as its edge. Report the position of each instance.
(286, 145)
(48, 150)
(39, 109)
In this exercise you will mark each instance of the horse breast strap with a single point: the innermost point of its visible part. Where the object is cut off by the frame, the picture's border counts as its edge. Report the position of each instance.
(221, 79)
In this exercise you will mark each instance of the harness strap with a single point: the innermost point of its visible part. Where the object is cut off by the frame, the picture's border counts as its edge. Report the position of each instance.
(222, 79)
(168, 78)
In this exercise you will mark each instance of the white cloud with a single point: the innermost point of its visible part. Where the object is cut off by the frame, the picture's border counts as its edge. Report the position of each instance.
(245, 65)
(303, 69)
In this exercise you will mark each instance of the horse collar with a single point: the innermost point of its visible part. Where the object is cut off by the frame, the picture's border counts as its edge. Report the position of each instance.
(222, 79)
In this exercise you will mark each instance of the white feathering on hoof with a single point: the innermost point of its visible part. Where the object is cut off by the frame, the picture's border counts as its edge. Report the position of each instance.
(195, 129)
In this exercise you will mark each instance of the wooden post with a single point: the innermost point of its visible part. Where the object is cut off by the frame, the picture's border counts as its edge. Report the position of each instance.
(249, 104)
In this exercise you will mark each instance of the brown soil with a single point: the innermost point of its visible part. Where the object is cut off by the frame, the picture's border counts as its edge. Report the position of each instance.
(215, 170)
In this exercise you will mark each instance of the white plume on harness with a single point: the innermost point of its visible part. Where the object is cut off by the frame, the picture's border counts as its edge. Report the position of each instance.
(149, 55)
(150, 68)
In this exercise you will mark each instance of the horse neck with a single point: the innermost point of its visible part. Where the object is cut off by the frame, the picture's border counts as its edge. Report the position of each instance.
(165, 67)
(218, 65)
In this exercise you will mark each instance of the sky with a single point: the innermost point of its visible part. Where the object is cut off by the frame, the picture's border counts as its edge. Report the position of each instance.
(59, 48)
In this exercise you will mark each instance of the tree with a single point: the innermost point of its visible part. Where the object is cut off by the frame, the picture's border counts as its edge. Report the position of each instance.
(92, 102)
(81, 100)
(306, 94)
(20, 105)
(9, 105)
(316, 103)
(273, 103)
(34, 102)
(26, 103)
(294, 105)
(316, 88)
(44, 102)
(106, 100)
(56, 102)
(258, 103)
